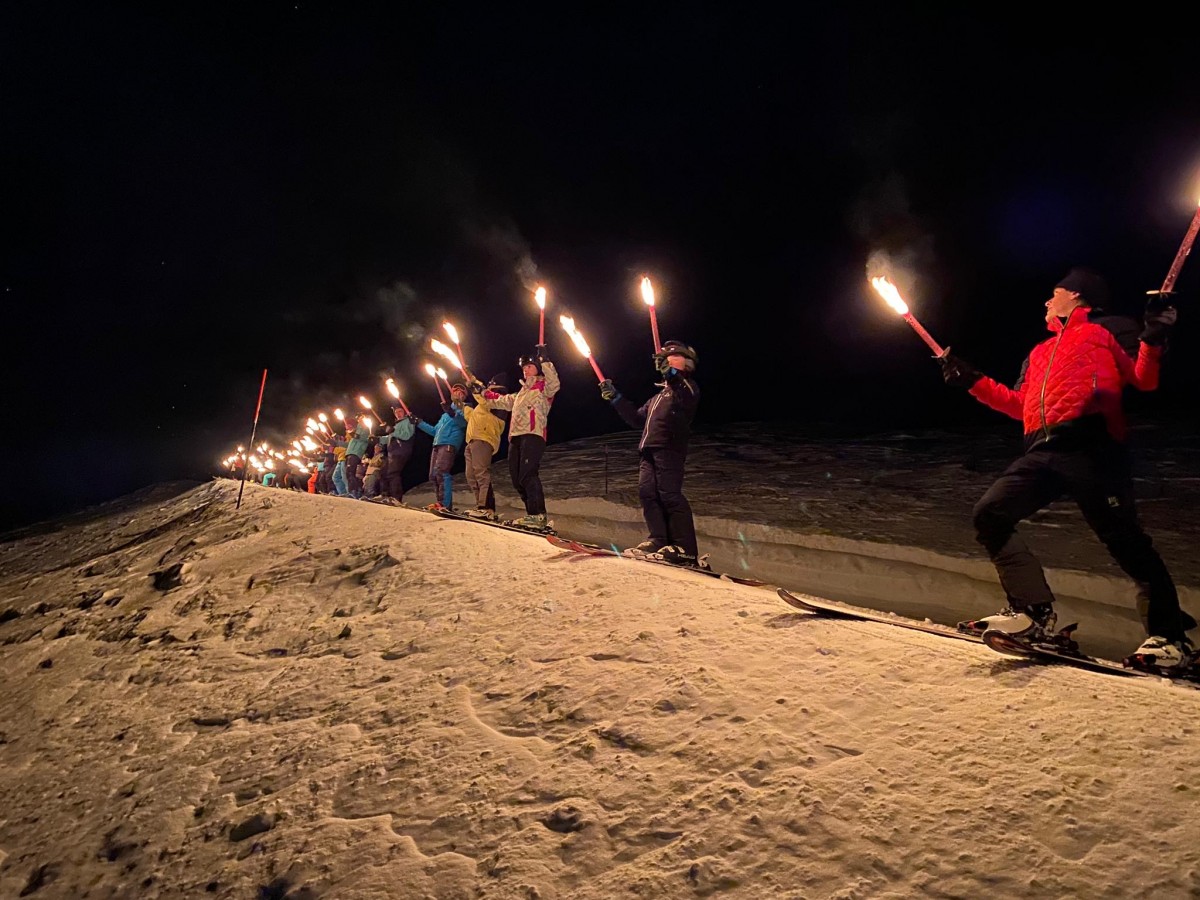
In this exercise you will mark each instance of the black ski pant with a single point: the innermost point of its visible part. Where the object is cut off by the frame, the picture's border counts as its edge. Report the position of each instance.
(353, 482)
(524, 464)
(667, 512)
(1099, 479)
(398, 454)
(325, 481)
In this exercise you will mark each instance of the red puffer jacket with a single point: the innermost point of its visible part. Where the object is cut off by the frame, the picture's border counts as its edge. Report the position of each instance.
(1079, 372)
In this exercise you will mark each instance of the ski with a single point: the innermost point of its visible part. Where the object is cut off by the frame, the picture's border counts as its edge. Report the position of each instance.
(1065, 650)
(597, 550)
(822, 607)
(507, 526)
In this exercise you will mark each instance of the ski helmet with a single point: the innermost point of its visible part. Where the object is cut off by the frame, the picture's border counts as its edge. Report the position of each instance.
(679, 348)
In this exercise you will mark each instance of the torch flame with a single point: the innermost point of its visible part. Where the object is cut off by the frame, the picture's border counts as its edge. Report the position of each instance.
(891, 296)
(539, 297)
(323, 417)
(568, 325)
(311, 423)
(441, 373)
(443, 350)
(339, 414)
(364, 401)
(647, 290)
(430, 370)
(452, 331)
(392, 389)
(367, 421)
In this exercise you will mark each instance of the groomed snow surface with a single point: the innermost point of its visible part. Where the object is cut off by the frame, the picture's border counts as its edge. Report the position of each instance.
(321, 698)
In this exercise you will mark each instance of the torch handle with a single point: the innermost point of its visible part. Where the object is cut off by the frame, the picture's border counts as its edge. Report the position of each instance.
(924, 335)
(596, 369)
(654, 330)
(1185, 248)
(541, 327)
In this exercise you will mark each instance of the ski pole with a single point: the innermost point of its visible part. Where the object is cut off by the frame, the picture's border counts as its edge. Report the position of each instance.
(253, 430)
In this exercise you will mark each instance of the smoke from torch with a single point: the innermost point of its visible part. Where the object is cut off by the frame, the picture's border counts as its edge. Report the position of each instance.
(568, 325)
(648, 297)
(891, 296)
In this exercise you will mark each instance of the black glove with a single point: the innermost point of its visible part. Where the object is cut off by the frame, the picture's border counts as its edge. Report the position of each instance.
(540, 352)
(477, 386)
(415, 419)
(661, 364)
(608, 390)
(958, 373)
(1158, 321)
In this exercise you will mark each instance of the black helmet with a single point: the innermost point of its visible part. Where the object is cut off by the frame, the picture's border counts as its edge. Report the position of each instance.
(679, 348)
(532, 360)
(498, 383)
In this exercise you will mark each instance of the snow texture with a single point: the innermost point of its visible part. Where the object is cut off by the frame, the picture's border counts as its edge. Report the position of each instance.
(321, 698)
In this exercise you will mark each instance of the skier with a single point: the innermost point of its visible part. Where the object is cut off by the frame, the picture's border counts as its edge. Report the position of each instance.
(1068, 396)
(448, 438)
(666, 424)
(399, 447)
(530, 408)
(358, 436)
(484, 431)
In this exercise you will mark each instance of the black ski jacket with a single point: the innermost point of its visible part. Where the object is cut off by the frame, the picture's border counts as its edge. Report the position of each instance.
(666, 418)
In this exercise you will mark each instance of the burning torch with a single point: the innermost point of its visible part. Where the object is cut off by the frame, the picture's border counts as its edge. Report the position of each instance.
(539, 297)
(568, 325)
(444, 351)
(888, 292)
(648, 297)
(462, 360)
(433, 373)
(1168, 285)
(390, 384)
(366, 404)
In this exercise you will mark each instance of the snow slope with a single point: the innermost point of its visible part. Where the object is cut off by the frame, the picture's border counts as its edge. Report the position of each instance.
(313, 697)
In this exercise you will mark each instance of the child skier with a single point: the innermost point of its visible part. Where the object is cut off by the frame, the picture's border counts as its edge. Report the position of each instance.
(666, 423)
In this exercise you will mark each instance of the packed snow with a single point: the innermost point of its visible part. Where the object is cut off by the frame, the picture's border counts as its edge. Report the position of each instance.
(313, 697)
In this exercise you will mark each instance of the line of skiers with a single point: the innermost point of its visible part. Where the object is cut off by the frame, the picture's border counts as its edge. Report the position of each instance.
(365, 465)
(1068, 398)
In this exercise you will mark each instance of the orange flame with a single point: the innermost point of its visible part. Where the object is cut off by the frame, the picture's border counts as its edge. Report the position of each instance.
(891, 296)
(539, 297)
(647, 291)
(581, 345)
(443, 350)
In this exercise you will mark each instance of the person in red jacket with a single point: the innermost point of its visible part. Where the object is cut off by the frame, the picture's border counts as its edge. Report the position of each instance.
(1068, 397)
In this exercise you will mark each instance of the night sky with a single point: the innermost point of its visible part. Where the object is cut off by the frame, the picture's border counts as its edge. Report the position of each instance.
(195, 193)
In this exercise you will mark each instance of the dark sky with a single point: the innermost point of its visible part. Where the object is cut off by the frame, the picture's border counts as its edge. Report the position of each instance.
(193, 192)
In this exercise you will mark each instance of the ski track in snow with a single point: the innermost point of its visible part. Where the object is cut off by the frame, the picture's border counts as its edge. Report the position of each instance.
(334, 699)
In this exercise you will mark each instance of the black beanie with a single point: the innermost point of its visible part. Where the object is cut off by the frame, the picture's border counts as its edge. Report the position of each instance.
(499, 380)
(1091, 287)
